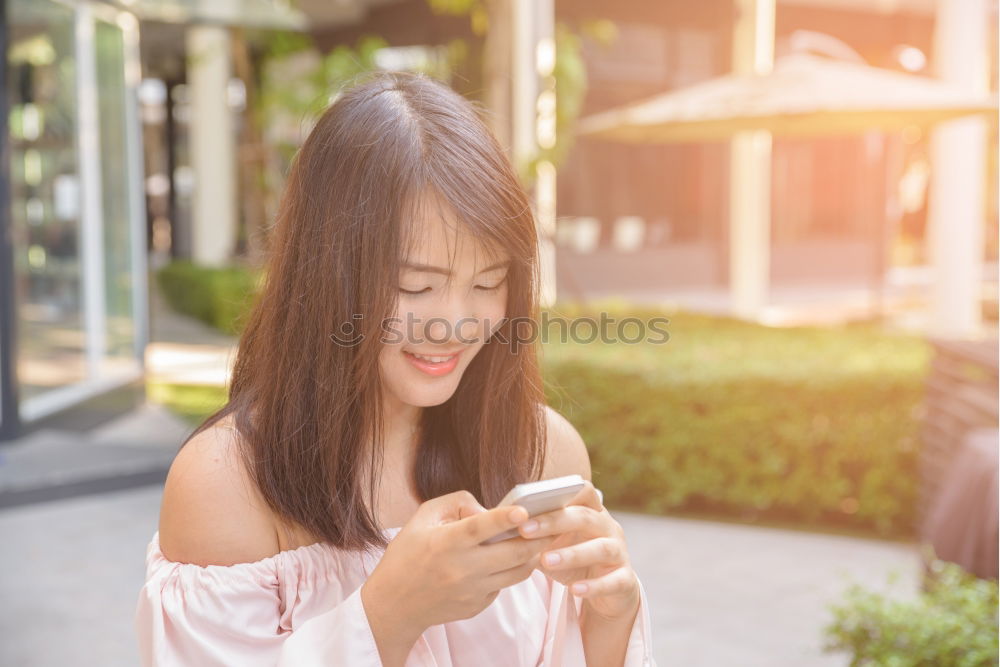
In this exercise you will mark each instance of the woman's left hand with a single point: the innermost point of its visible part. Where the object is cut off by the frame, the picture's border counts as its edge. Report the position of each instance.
(591, 546)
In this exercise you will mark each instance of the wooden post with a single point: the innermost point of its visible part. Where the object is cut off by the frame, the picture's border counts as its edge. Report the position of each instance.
(750, 169)
(956, 204)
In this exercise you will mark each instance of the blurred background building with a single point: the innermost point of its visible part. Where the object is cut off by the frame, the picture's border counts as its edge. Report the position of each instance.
(135, 138)
(848, 220)
(92, 167)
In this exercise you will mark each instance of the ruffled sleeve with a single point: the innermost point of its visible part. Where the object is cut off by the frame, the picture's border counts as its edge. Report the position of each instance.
(244, 614)
(563, 643)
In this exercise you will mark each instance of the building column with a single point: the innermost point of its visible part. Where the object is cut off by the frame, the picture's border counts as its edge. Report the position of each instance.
(956, 203)
(533, 115)
(10, 420)
(750, 170)
(212, 146)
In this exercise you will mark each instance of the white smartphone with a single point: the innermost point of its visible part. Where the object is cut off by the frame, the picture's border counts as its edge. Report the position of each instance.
(539, 497)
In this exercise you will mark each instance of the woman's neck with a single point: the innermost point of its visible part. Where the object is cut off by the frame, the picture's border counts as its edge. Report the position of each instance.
(400, 425)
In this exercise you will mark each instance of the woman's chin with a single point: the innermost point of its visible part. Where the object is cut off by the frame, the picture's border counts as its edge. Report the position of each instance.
(426, 397)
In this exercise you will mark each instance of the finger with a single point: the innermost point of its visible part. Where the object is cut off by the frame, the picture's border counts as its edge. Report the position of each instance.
(465, 511)
(621, 581)
(598, 551)
(589, 496)
(510, 576)
(513, 554)
(475, 529)
(456, 506)
(572, 518)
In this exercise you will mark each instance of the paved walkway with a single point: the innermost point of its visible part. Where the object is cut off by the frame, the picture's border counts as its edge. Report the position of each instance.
(184, 350)
(135, 449)
(720, 594)
(79, 514)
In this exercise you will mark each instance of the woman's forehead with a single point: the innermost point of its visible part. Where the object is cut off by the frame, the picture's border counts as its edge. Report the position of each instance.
(452, 252)
(437, 237)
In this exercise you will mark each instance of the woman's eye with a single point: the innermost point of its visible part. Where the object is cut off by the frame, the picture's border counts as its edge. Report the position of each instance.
(483, 288)
(494, 288)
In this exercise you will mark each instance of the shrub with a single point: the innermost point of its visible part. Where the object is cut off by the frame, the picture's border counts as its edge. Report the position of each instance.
(804, 424)
(812, 426)
(191, 402)
(219, 297)
(952, 623)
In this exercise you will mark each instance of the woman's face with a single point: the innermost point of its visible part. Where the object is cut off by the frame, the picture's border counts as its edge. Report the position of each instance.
(446, 321)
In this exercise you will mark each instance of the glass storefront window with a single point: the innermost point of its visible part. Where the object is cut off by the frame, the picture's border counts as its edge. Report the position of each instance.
(45, 196)
(115, 195)
(75, 201)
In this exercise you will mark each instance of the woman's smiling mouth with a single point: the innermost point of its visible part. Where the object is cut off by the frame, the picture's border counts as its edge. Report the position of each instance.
(435, 365)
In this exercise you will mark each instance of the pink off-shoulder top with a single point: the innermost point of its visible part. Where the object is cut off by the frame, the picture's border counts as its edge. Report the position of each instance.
(302, 607)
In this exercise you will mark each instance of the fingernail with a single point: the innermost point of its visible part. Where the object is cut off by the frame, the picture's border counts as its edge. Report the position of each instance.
(552, 559)
(530, 526)
(579, 589)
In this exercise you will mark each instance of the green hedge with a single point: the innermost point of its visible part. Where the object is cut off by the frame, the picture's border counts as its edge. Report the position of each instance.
(217, 296)
(805, 425)
(808, 425)
(190, 402)
(952, 623)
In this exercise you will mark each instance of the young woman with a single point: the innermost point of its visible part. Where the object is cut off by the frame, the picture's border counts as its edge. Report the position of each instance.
(385, 394)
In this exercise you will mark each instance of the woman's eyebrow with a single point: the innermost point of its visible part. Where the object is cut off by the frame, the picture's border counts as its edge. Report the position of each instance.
(427, 268)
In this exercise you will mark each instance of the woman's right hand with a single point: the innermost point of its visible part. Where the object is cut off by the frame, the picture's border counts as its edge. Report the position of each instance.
(435, 570)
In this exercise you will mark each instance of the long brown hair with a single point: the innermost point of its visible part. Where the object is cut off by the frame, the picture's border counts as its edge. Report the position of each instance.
(304, 405)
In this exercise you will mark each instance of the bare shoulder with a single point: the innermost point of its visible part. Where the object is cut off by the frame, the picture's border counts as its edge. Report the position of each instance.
(565, 451)
(212, 513)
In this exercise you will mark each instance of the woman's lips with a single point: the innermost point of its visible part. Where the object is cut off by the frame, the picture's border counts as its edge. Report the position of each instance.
(433, 368)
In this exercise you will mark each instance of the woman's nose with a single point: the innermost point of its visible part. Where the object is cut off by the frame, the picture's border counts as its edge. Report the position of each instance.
(455, 321)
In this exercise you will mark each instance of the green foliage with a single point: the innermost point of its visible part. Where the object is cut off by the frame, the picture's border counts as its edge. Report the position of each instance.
(453, 7)
(217, 296)
(807, 425)
(191, 402)
(304, 95)
(602, 31)
(474, 9)
(570, 75)
(281, 43)
(570, 85)
(302, 90)
(952, 623)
